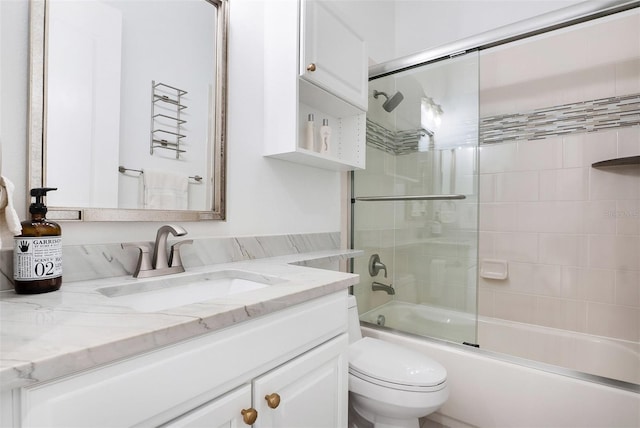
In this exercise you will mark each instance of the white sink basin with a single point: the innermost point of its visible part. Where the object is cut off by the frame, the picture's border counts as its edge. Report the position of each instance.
(171, 292)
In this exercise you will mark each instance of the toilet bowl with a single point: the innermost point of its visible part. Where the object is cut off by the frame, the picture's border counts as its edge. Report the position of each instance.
(390, 385)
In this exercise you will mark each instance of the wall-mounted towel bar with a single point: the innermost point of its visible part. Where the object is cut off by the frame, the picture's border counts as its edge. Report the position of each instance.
(123, 170)
(408, 198)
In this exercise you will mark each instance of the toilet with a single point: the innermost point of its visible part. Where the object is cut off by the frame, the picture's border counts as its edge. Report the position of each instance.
(390, 385)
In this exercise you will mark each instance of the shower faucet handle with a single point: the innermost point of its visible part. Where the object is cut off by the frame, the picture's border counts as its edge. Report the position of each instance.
(375, 266)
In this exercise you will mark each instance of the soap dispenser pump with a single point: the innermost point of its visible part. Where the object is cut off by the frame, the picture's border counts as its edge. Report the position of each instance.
(37, 257)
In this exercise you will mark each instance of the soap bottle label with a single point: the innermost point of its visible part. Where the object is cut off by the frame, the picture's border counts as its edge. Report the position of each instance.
(37, 258)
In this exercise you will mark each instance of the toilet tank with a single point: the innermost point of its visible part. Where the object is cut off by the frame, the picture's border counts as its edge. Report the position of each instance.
(354, 321)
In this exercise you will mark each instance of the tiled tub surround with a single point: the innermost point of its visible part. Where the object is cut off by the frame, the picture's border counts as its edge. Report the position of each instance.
(570, 232)
(76, 328)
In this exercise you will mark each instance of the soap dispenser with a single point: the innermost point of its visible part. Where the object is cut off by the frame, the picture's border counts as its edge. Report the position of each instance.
(37, 257)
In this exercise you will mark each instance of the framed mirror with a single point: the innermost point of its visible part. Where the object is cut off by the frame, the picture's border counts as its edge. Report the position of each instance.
(127, 109)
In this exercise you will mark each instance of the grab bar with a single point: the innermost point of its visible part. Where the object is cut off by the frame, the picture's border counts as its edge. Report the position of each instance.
(122, 170)
(408, 198)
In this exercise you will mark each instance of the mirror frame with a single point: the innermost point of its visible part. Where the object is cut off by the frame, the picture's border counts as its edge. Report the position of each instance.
(36, 168)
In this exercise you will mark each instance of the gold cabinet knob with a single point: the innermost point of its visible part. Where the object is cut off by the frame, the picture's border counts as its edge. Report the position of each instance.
(273, 400)
(311, 67)
(249, 416)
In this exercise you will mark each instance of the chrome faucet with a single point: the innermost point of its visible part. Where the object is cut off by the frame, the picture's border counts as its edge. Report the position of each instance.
(378, 286)
(160, 260)
(159, 264)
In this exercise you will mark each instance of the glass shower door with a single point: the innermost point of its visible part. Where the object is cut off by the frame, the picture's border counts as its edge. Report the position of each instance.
(415, 210)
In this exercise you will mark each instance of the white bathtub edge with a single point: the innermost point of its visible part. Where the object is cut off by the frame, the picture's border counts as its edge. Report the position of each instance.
(488, 392)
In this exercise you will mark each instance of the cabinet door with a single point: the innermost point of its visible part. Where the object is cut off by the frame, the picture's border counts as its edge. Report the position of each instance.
(312, 390)
(333, 56)
(223, 412)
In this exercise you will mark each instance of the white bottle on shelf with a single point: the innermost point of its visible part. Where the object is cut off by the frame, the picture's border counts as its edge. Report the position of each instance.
(309, 134)
(325, 136)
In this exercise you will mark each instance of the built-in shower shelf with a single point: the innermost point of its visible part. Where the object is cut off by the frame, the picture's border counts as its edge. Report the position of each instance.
(631, 160)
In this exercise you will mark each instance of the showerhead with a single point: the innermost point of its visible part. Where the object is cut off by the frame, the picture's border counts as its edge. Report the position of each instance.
(390, 103)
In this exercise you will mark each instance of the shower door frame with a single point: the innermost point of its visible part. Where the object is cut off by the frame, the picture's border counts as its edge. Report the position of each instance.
(544, 23)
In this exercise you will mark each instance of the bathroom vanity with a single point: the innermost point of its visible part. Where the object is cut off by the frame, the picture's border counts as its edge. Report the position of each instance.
(269, 357)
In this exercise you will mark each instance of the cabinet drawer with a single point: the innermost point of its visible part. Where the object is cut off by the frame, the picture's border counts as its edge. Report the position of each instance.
(158, 386)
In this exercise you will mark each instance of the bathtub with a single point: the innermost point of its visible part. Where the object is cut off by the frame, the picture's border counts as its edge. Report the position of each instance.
(500, 384)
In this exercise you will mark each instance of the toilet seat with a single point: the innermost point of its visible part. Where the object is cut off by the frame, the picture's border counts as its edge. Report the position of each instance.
(392, 366)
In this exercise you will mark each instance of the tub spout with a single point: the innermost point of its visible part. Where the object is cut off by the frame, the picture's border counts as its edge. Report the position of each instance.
(378, 286)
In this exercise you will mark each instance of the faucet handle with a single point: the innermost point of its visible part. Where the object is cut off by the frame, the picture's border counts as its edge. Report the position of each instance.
(144, 260)
(375, 266)
(174, 257)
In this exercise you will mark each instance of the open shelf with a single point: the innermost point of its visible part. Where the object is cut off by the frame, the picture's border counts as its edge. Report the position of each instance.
(631, 160)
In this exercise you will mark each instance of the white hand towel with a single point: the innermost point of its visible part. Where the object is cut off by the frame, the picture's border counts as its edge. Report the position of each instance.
(9, 220)
(164, 190)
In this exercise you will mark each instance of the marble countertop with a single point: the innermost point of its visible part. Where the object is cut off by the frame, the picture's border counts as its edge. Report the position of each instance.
(45, 336)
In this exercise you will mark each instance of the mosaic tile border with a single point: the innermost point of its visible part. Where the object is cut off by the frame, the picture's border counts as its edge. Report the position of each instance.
(396, 143)
(587, 116)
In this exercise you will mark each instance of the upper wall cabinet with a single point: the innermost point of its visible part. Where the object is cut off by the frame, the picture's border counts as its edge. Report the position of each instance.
(315, 86)
(332, 55)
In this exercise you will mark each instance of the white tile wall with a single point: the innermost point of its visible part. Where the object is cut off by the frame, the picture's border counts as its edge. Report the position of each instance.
(570, 232)
(628, 77)
(596, 61)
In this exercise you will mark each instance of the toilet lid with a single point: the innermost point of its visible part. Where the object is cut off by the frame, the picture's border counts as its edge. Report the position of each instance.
(394, 364)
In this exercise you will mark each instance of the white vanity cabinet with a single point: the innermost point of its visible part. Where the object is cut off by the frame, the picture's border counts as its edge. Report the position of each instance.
(315, 64)
(222, 412)
(301, 393)
(298, 353)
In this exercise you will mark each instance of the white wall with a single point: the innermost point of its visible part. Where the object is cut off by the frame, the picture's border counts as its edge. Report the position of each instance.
(264, 196)
(13, 92)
